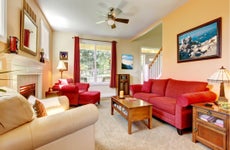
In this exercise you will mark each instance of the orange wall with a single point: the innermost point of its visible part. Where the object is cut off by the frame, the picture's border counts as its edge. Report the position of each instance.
(14, 8)
(192, 14)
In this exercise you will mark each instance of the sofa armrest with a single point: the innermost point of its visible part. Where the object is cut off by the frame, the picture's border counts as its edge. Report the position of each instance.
(55, 105)
(196, 97)
(44, 130)
(134, 88)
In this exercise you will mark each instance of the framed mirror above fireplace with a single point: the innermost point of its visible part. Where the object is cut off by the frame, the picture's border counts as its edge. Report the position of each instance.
(28, 40)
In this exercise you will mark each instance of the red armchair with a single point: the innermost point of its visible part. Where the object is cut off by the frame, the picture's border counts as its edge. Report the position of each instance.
(76, 92)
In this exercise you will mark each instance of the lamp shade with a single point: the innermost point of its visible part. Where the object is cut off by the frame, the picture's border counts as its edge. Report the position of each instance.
(221, 75)
(61, 65)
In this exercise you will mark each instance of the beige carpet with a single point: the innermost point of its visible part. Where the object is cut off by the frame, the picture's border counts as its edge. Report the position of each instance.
(112, 134)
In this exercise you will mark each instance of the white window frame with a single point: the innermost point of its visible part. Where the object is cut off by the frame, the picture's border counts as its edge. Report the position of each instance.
(45, 40)
(95, 71)
(3, 20)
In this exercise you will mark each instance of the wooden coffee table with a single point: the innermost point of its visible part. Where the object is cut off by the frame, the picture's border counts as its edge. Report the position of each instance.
(132, 110)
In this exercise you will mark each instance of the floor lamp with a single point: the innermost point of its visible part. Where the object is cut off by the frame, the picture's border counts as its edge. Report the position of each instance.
(61, 67)
(221, 76)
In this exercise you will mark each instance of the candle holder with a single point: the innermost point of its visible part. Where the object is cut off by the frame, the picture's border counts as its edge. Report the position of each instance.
(121, 94)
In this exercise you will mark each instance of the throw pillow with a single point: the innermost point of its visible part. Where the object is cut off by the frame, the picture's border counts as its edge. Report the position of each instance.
(63, 81)
(39, 109)
(146, 87)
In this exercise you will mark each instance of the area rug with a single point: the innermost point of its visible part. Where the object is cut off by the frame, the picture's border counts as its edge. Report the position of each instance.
(111, 133)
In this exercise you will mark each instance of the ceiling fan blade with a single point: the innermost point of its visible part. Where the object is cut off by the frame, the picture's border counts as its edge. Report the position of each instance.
(117, 11)
(113, 26)
(122, 20)
(99, 22)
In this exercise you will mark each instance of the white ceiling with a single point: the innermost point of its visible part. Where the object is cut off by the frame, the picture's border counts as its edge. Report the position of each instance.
(80, 16)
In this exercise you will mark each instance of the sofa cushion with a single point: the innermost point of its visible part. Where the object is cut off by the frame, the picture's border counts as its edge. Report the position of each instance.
(159, 86)
(177, 87)
(144, 96)
(146, 87)
(167, 104)
(15, 110)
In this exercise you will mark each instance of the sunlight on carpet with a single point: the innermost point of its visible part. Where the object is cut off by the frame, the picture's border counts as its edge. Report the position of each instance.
(111, 133)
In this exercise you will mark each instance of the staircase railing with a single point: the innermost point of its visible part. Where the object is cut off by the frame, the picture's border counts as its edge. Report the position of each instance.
(155, 67)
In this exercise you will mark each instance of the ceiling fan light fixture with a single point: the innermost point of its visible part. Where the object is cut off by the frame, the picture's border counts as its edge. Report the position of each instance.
(110, 21)
(113, 26)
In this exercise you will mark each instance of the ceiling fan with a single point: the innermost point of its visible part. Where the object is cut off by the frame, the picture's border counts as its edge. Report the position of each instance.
(111, 18)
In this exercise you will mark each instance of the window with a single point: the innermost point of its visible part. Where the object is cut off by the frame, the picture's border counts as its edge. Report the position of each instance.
(3, 20)
(45, 40)
(95, 58)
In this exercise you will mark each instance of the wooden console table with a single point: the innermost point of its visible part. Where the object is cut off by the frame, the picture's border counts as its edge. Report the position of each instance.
(211, 126)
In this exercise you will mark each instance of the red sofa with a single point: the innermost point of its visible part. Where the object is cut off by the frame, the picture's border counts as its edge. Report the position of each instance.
(172, 99)
(77, 93)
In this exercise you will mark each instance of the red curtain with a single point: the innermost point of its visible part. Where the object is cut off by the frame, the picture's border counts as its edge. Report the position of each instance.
(113, 65)
(76, 72)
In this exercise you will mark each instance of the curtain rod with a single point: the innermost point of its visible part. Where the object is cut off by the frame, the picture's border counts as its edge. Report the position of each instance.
(94, 40)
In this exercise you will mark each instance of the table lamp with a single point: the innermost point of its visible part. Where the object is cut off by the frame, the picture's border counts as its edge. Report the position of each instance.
(221, 76)
(61, 67)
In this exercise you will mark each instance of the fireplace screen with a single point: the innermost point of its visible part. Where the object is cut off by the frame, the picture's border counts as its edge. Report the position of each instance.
(27, 90)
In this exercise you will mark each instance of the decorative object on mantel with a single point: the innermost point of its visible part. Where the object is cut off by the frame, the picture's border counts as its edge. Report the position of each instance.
(13, 44)
(221, 76)
(61, 67)
(42, 56)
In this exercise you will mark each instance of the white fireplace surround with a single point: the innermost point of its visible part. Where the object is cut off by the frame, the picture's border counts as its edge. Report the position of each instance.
(25, 71)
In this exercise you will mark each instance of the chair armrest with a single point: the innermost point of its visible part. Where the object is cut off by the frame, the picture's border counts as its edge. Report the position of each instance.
(82, 86)
(134, 88)
(196, 97)
(69, 88)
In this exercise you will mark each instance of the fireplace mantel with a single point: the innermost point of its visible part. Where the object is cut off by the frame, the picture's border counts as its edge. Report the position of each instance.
(25, 70)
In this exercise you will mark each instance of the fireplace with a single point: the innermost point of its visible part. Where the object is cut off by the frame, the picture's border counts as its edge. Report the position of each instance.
(26, 71)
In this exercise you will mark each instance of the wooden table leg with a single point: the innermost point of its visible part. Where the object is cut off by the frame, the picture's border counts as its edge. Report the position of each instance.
(111, 106)
(129, 127)
(150, 120)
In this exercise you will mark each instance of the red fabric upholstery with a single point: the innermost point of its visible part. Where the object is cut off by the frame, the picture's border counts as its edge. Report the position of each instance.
(145, 96)
(71, 91)
(177, 87)
(146, 87)
(159, 86)
(76, 91)
(167, 104)
(172, 99)
(135, 88)
(89, 97)
(197, 97)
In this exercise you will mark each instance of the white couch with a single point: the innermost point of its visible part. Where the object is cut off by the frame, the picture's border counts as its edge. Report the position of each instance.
(20, 129)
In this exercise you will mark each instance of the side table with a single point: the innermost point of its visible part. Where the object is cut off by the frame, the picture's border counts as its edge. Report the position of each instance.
(52, 93)
(211, 126)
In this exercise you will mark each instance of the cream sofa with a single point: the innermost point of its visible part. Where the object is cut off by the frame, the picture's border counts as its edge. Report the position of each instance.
(70, 129)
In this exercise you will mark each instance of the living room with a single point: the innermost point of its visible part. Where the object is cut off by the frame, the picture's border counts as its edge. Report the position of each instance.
(192, 14)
